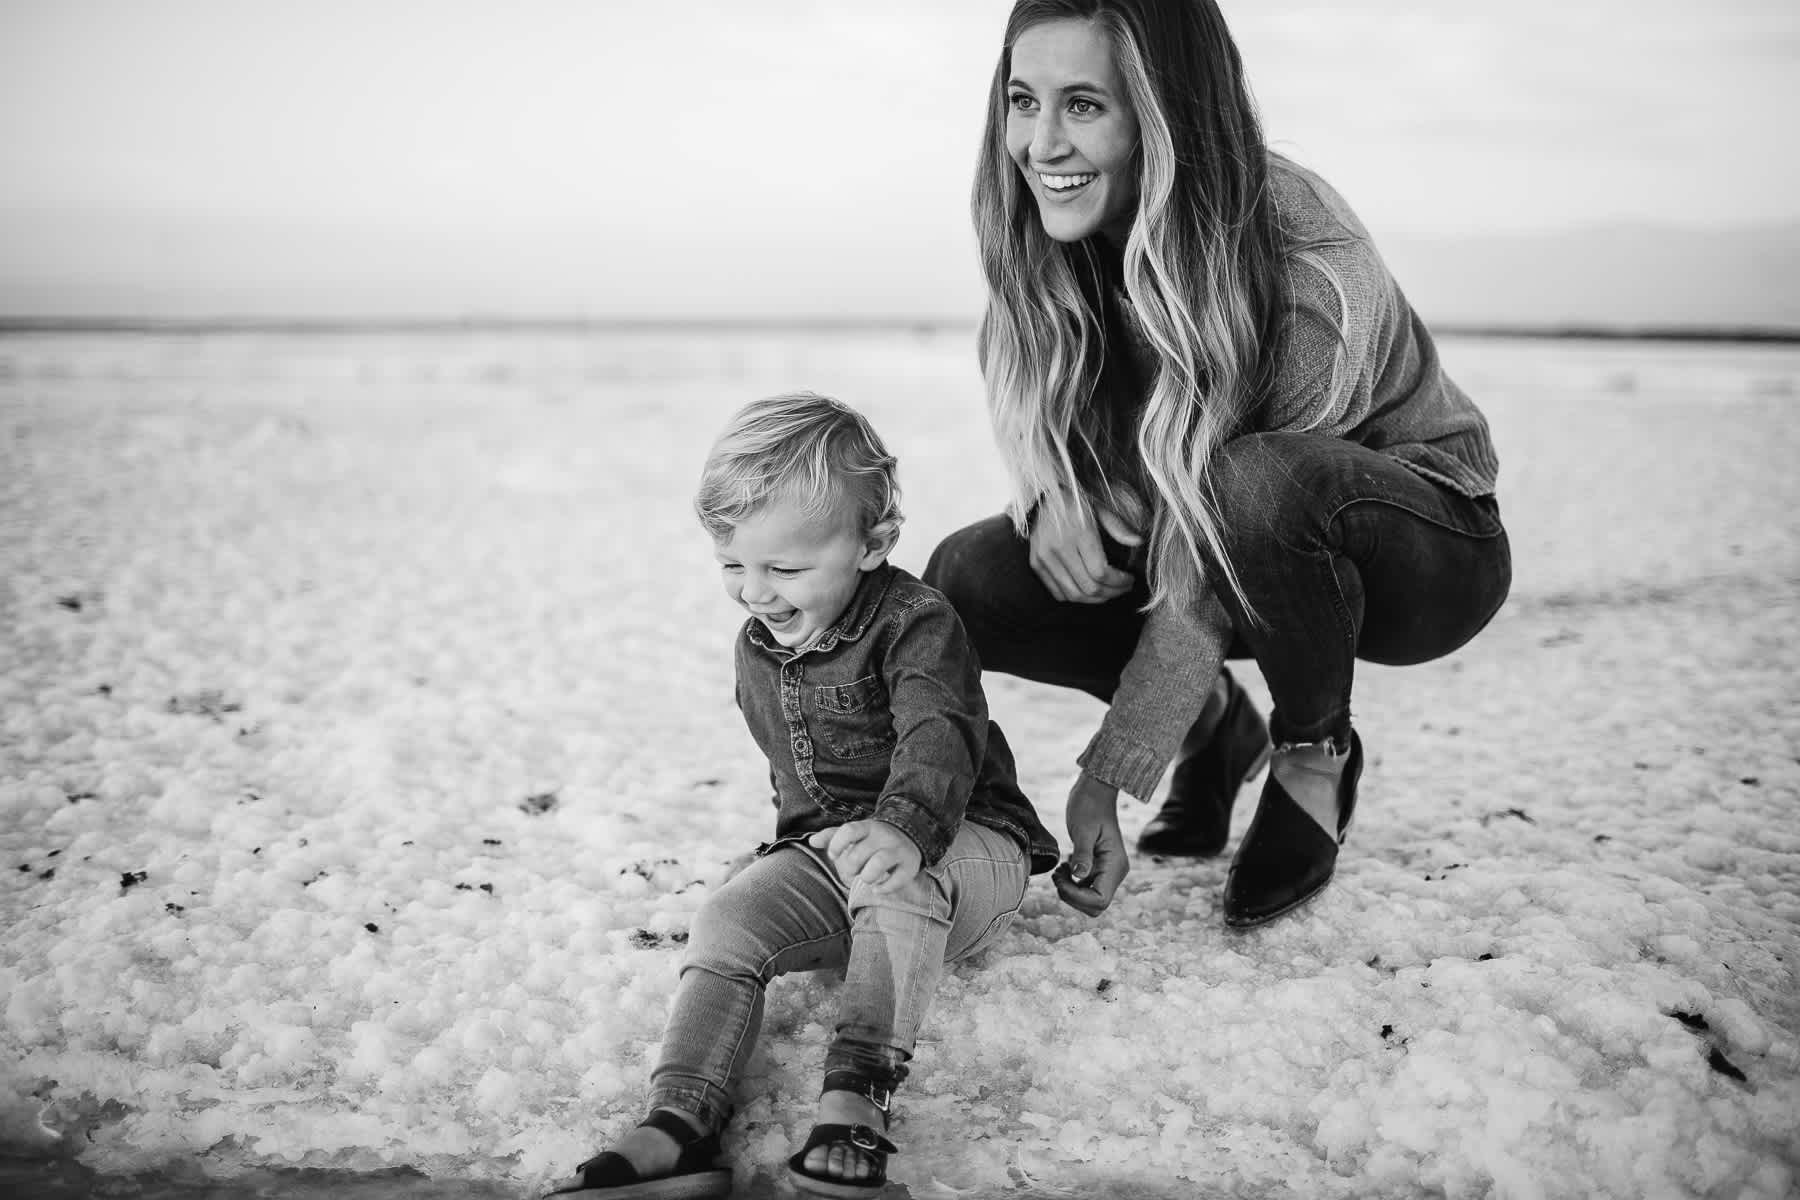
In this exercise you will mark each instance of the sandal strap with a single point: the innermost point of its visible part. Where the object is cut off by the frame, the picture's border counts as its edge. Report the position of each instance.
(698, 1149)
(861, 1137)
(881, 1095)
(605, 1170)
(680, 1131)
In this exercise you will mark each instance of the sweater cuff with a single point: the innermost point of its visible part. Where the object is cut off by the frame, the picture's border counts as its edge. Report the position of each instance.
(1119, 762)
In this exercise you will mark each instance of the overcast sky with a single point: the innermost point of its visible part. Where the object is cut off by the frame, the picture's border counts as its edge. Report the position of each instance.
(621, 157)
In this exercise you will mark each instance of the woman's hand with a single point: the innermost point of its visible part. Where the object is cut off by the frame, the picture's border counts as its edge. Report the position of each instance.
(873, 851)
(1097, 863)
(1067, 555)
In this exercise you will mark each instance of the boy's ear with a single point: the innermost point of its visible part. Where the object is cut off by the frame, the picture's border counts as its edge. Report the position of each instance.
(878, 543)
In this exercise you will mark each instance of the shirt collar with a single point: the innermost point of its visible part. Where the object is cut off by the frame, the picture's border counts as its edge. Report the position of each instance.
(871, 589)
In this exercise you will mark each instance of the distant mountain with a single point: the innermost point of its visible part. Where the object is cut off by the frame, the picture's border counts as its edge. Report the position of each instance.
(1627, 276)
(55, 267)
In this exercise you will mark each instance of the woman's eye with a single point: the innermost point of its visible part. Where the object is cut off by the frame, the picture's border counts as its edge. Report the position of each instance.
(1021, 102)
(785, 572)
(1083, 108)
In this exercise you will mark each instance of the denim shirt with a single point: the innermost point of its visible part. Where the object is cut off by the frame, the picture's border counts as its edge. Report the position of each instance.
(883, 716)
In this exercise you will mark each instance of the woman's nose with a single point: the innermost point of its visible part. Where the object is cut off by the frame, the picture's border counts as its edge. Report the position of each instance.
(1048, 142)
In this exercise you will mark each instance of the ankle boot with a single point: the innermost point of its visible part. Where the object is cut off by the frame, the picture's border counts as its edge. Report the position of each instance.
(1285, 858)
(1195, 818)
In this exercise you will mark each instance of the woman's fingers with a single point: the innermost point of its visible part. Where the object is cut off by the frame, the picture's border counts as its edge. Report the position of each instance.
(1069, 557)
(1101, 581)
(1053, 573)
(1116, 528)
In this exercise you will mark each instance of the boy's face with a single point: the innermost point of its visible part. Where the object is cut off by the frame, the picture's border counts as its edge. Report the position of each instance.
(794, 572)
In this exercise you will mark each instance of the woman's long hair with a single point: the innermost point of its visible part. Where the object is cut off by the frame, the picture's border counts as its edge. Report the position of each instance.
(1204, 268)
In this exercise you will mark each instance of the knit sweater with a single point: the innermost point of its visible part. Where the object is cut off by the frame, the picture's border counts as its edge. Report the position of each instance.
(1381, 386)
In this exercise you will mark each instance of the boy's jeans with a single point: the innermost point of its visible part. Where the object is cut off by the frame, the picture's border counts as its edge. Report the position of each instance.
(787, 911)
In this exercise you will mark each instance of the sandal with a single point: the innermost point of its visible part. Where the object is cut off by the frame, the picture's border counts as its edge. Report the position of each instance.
(695, 1177)
(866, 1141)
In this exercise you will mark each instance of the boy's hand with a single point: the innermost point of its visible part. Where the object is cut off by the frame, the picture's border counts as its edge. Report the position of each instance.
(873, 851)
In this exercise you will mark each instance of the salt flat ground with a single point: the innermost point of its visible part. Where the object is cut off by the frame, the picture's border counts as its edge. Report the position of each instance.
(366, 744)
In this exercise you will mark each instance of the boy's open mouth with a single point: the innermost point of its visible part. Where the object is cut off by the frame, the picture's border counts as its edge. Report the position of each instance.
(779, 621)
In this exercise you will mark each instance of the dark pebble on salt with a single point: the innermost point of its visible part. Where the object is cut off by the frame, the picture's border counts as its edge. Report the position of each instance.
(1485, 958)
(538, 804)
(1750, 781)
(645, 940)
(174, 909)
(490, 841)
(1387, 1031)
(72, 603)
(1691, 1020)
(132, 878)
(47, 873)
(372, 927)
(1723, 1066)
(488, 888)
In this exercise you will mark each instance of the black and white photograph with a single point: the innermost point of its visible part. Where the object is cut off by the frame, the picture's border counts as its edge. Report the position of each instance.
(817, 599)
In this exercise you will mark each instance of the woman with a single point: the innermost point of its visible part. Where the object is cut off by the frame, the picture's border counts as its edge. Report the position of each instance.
(1226, 432)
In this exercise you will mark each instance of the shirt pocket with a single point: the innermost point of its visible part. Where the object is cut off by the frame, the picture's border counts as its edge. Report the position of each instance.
(854, 721)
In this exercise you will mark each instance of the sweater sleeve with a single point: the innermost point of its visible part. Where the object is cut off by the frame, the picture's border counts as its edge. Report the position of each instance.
(1160, 694)
(1337, 292)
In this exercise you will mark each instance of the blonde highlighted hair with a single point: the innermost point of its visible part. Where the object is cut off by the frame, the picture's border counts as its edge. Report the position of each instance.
(802, 447)
(1204, 268)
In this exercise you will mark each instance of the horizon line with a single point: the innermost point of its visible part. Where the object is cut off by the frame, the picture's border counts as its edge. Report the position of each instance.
(918, 324)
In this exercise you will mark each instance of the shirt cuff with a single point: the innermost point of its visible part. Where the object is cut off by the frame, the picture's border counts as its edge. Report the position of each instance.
(920, 824)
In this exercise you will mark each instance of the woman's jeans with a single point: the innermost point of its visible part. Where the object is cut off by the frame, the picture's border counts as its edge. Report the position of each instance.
(788, 911)
(1343, 553)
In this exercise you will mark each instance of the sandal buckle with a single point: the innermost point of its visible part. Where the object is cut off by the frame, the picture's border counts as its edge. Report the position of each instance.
(863, 1138)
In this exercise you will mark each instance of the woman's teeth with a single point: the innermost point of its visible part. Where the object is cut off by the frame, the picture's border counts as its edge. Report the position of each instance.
(1062, 183)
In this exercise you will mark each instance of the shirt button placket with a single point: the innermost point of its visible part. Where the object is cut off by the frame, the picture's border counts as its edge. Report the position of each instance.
(796, 723)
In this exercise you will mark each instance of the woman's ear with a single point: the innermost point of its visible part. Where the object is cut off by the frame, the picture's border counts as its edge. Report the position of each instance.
(878, 543)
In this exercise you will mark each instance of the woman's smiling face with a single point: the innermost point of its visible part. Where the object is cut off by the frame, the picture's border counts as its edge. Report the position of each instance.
(1071, 130)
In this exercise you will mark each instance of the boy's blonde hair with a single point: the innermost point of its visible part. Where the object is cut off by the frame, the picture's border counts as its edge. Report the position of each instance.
(799, 446)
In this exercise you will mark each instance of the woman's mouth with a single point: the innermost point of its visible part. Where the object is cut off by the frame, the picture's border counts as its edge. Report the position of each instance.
(1066, 185)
